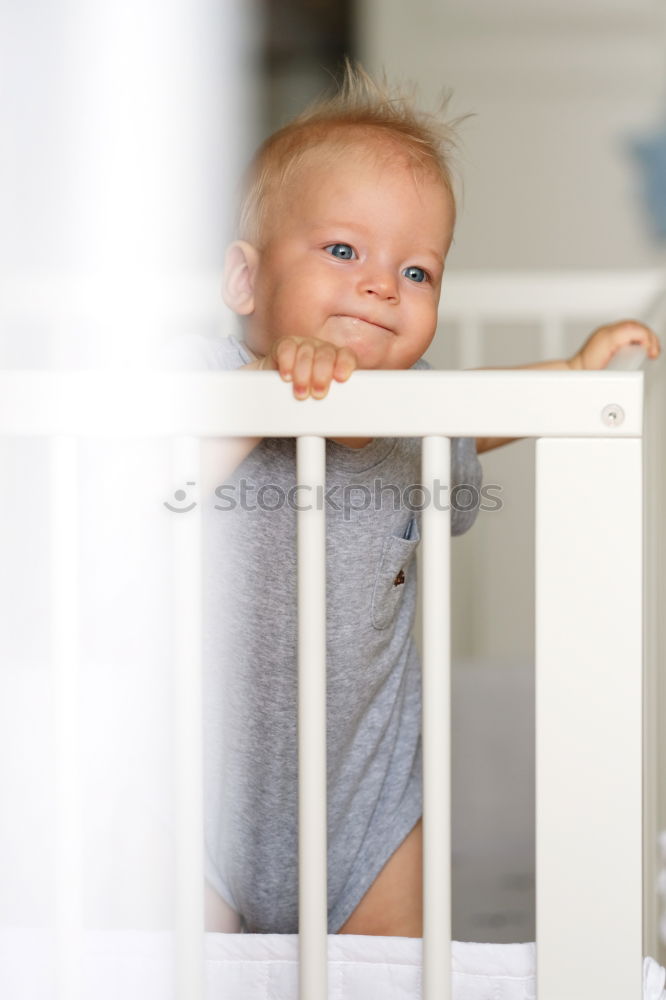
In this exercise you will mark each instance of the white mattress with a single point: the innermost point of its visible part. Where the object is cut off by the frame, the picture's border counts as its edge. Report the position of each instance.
(139, 965)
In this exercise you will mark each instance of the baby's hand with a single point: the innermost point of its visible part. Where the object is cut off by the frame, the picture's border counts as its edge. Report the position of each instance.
(310, 364)
(601, 345)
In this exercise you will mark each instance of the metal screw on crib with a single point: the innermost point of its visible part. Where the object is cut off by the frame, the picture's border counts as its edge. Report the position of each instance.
(612, 415)
(629, 358)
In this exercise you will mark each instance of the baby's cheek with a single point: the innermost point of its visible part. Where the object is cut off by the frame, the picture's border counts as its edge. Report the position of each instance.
(289, 316)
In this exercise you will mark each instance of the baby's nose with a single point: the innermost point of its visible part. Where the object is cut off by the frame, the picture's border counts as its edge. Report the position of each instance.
(381, 282)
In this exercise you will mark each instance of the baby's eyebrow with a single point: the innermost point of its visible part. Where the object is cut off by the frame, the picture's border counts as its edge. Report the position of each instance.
(439, 257)
(422, 255)
(329, 224)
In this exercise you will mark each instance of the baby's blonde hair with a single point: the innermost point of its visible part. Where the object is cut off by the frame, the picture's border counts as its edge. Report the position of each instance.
(364, 112)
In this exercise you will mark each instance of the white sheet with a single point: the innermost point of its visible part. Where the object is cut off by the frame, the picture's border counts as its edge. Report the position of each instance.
(373, 968)
(139, 965)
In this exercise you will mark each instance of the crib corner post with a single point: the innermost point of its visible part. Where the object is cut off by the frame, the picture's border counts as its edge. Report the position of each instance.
(589, 718)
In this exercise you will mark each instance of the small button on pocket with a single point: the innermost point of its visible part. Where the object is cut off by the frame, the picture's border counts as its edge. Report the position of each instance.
(394, 568)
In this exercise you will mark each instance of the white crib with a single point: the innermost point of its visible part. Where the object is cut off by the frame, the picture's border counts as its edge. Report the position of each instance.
(589, 638)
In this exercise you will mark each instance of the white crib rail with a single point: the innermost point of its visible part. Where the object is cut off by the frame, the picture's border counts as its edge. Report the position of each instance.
(523, 295)
(312, 890)
(436, 724)
(188, 738)
(588, 620)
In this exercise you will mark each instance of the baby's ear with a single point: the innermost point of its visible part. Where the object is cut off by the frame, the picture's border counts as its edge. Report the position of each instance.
(240, 268)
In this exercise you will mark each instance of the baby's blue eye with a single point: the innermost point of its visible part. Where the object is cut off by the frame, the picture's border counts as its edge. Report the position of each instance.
(415, 274)
(341, 250)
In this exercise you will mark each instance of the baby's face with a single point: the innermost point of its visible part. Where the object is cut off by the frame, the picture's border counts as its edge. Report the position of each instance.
(354, 256)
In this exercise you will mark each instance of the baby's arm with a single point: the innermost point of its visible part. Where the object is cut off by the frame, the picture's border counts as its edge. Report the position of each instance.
(595, 354)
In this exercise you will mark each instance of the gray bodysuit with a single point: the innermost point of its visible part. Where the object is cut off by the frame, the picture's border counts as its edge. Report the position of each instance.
(373, 671)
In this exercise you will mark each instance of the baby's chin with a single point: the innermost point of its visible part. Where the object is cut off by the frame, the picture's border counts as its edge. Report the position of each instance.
(371, 344)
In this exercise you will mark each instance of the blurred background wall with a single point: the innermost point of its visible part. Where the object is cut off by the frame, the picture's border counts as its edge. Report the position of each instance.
(559, 91)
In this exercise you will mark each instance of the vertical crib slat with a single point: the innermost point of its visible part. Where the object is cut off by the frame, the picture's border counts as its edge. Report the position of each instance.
(436, 466)
(312, 846)
(66, 679)
(588, 683)
(470, 341)
(187, 693)
(552, 337)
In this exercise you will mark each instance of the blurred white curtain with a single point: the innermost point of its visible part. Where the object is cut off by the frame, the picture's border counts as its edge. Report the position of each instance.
(122, 128)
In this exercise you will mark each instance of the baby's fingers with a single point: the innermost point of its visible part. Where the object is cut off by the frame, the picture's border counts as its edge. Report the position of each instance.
(284, 353)
(345, 363)
(331, 363)
(653, 345)
(323, 367)
(605, 343)
(312, 365)
(632, 332)
(302, 369)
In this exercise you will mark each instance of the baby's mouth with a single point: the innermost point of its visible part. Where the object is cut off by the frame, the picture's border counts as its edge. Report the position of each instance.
(364, 319)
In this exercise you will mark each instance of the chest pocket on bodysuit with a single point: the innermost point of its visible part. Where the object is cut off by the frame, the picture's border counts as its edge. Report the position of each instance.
(396, 565)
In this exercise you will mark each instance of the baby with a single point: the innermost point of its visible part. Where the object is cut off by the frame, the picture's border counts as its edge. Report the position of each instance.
(345, 227)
